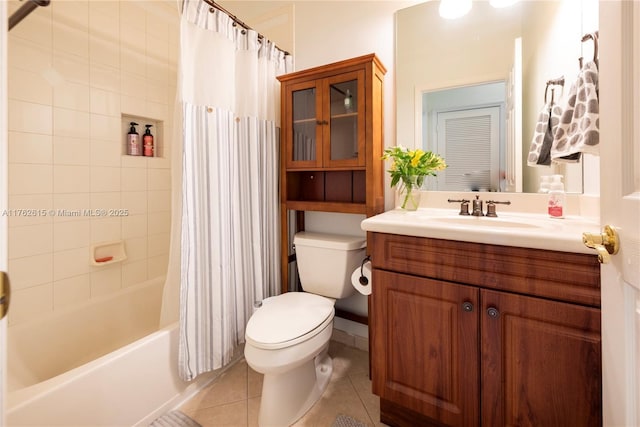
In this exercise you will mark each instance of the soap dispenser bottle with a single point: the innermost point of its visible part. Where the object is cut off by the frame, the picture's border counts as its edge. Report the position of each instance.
(556, 197)
(147, 140)
(134, 147)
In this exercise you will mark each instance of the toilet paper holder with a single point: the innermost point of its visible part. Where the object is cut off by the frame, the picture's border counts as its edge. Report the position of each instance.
(363, 279)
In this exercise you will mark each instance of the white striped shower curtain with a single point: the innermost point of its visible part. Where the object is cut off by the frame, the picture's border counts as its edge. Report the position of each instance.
(230, 249)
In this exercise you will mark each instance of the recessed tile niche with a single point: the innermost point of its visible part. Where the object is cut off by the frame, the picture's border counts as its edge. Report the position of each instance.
(157, 130)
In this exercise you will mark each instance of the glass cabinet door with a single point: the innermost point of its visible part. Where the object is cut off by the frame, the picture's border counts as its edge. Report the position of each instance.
(306, 126)
(344, 135)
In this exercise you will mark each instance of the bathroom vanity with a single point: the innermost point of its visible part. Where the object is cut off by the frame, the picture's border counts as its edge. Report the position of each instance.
(467, 333)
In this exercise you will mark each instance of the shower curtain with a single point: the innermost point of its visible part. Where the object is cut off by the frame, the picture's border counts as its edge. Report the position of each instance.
(229, 232)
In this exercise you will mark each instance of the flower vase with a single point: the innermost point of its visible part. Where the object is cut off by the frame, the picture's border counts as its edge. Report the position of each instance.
(409, 193)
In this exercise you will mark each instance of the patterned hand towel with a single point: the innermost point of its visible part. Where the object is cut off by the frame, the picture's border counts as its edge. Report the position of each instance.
(548, 120)
(579, 128)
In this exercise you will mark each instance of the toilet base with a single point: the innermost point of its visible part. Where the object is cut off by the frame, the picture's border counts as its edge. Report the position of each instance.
(286, 397)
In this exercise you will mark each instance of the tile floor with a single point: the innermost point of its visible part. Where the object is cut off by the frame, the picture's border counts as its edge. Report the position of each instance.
(234, 398)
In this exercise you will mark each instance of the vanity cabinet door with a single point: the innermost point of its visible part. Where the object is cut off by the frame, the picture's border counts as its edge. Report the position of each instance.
(541, 362)
(425, 349)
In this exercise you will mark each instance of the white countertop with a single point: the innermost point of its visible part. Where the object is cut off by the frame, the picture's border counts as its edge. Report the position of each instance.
(509, 229)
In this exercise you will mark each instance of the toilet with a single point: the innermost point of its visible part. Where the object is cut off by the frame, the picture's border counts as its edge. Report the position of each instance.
(288, 336)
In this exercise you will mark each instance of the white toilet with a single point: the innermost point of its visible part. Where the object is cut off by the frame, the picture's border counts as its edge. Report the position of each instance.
(288, 337)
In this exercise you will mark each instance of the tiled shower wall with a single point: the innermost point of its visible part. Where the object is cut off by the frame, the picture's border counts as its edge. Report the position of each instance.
(74, 68)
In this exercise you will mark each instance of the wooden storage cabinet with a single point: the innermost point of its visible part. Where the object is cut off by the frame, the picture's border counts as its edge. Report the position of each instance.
(454, 345)
(332, 142)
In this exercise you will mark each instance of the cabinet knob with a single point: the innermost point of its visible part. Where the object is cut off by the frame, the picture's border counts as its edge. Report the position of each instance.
(493, 312)
(319, 122)
(467, 306)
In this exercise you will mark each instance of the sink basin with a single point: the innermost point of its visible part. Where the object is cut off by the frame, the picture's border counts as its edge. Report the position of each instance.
(478, 221)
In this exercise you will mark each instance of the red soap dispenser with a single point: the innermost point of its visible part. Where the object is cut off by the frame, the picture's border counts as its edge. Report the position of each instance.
(147, 141)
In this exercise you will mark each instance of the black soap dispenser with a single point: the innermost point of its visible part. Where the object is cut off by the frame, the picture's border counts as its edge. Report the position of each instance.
(134, 148)
(147, 140)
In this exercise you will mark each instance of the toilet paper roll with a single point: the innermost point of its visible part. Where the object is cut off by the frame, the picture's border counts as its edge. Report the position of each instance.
(364, 289)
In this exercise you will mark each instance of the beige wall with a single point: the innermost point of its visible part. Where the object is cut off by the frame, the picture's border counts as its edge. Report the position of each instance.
(74, 68)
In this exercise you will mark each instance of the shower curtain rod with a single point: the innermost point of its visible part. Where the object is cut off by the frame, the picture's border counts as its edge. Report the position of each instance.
(236, 20)
(25, 10)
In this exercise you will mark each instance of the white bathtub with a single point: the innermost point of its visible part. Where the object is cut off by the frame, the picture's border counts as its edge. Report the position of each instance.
(102, 364)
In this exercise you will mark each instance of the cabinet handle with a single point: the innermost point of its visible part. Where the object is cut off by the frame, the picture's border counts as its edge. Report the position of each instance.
(467, 306)
(324, 122)
(319, 122)
(493, 312)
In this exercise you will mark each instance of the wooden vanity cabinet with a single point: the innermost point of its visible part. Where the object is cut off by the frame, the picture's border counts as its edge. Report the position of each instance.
(467, 334)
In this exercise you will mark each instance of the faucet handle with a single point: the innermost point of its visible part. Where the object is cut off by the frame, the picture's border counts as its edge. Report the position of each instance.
(464, 205)
(491, 207)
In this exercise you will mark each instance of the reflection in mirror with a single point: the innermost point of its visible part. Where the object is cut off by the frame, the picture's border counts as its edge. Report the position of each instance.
(520, 47)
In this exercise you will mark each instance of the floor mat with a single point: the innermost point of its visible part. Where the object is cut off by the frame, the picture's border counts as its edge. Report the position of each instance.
(178, 419)
(347, 421)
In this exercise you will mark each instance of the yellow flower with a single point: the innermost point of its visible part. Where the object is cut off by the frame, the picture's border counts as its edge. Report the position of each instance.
(415, 157)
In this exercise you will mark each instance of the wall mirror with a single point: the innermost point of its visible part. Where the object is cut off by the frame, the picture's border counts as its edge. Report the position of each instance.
(472, 88)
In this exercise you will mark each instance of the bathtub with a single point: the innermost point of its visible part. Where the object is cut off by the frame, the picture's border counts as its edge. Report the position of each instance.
(102, 364)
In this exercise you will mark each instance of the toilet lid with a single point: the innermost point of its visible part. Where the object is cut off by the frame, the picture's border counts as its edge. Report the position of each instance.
(288, 316)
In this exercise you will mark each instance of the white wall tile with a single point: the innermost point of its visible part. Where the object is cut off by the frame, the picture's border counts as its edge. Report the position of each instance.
(70, 40)
(74, 96)
(139, 162)
(74, 14)
(30, 179)
(104, 19)
(71, 151)
(30, 148)
(104, 51)
(133, 105)
(29, 55)
(106, 200)
(105, 77)
(71, 234)
(135, 202)
(31, 302)
(106, 280)
(71, 291)
(158, 244)
(106, 229)
(75, 124)
(134, 273)
(30, 240)
(30, 117)
(70, 202)
(159, 222)
(157, 71)
(106, 103)
(31, 270)
(37, 28)
(71, 179)
(134, 179)
(69, 263)
(159, 179)
(105, 179)
(26, 204)
(157, 93)
(133, 85)
(105, 128)
(134, 226)
(72, 68)
(159, 201)
(136, 248)
(157, 266)
(29, 86)
(158, 49)
(106, 154)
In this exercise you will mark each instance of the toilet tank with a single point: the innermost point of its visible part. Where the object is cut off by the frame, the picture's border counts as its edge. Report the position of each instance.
(326, 261)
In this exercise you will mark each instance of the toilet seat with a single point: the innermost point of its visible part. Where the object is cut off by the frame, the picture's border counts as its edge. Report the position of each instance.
(288, 319)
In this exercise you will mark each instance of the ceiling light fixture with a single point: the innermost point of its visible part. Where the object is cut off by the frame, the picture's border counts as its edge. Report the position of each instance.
(452, 9)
